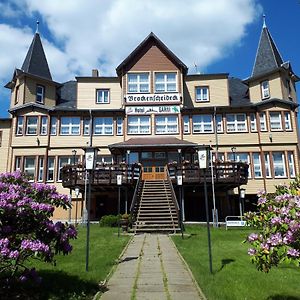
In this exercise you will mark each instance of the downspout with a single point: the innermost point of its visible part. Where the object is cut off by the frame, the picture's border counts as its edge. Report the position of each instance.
(216, 131)
(91, 128)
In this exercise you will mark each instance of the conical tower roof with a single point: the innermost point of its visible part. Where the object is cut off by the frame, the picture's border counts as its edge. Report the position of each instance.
(35, 62)
(268, 57)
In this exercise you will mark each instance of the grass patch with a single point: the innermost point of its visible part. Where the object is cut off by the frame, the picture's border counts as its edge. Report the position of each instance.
(234, 276)
(68, 279)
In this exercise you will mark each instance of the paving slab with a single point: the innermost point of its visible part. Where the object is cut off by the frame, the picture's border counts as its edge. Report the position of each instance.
(151, 268)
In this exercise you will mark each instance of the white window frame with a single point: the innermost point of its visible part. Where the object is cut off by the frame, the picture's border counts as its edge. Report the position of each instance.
(40, 94)
(219, 121)
(267, 165)
(139, 125)
(235, 123)
(138, 84)
(165, 82)
(53, 126)
(70, 126)
(256, 158)
(32, 127)
(291, 161)
(201, 94)
(63, 161)
(120, 122)
(237, 156)
(41, 169)
(280, 164)
(18, 163)
(166, 124)
(265, 89)
(20, 125)
(204, 125)
(287, 121)
(50, 168)
(44, 125)
(31, 169)
(253, 126)
(275, 125)
(86, 126)
(103, 126)
(102, 96)
(186, 124)
(263, 121)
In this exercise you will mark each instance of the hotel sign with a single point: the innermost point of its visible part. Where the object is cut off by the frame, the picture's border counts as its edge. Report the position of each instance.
(147, 110)
(148, 98)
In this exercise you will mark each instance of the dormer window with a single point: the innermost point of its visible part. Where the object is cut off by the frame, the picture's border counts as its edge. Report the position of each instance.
(265, 89)
(40, 94)
(102, 96)
(138, 82)
(165, 82)
(202, 94)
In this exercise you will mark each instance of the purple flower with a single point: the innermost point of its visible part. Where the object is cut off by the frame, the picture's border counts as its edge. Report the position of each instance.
(288, 238)
(276, 221)
(14, 254)
(34, 246)
(293, 252)
(275, 239)
(261, 200)
(251, 251)
(253, 237)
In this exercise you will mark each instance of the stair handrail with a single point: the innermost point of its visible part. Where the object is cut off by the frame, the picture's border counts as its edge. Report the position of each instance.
(134, 198)
(174, 198)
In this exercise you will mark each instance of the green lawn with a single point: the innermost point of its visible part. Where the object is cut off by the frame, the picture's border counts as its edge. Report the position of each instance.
(234, 276)
(68, 279)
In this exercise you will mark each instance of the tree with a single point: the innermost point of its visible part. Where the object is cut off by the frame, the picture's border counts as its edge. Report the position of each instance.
(26, 230)
(278, 227)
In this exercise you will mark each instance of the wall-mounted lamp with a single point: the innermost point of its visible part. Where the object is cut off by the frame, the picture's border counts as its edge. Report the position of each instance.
(38, 141)
(271, 137)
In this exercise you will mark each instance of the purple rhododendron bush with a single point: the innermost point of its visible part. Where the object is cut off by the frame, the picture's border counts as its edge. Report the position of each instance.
(26, 231)
(278, 227)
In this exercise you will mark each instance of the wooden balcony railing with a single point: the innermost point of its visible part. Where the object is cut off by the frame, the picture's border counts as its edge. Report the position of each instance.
(76, 175)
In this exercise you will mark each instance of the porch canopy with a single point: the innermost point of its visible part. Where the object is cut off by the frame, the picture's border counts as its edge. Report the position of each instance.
(168, 143)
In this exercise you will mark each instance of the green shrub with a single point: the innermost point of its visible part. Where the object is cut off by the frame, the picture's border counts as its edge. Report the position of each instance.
(109, 221)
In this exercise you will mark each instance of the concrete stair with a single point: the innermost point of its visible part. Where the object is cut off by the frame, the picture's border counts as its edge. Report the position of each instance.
(156, 210)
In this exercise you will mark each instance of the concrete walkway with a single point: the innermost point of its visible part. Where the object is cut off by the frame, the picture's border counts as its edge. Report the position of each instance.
(151, 268)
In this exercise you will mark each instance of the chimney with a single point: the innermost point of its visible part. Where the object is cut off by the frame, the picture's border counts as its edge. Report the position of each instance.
(95, 73)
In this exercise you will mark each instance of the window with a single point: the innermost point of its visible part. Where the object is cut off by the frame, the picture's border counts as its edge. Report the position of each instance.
(138, 125)
(166, 124)
(18, 162)
(20, 123)
(102, 96)
(62, 161)
(289, 89)
(165, 82)
(138, 83)
(257, 165)
(279, 164)
(53, 125)
(29, 167)
(186, 124)
(202, 94)
(119, 126)
(240, 157)
(86, 126)
(287, 121)
(69, 125)
(31, 125)
(107, 159)
(103, 126)
(236, 123)
(275, 121)
(291, 164)
(219, 120)
(50, 169)
(265, 90)
(44, 125)
(262, 121)
(253, 122)
(267, 165)
(202, 123)
(40, 94)
(220, 156)
(41, 169)
(17, 91)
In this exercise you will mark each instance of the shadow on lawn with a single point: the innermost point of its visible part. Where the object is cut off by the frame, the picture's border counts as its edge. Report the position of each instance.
(54, 285)
(226, 262)
(283, 297)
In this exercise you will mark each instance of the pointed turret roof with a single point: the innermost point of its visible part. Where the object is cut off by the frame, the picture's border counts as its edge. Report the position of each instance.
(35, 62)
(268, 57)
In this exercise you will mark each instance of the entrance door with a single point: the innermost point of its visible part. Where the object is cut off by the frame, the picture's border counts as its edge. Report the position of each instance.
(154, 173)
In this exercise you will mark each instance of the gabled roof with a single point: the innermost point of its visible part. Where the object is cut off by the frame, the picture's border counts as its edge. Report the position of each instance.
(161, 45)
(35, 61)
(268, 57)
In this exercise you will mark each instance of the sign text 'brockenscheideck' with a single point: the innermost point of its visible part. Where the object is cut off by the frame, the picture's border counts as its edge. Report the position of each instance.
(144, 98)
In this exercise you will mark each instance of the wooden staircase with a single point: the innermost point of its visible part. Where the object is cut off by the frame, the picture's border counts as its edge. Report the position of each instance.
(156, 210)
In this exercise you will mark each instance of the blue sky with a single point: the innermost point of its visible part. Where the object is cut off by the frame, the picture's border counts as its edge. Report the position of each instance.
(80, 35)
